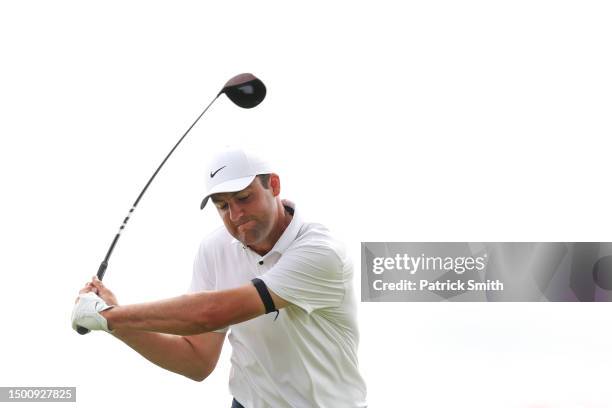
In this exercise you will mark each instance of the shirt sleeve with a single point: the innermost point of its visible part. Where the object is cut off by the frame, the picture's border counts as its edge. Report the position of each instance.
(310, 275)
(203, 276)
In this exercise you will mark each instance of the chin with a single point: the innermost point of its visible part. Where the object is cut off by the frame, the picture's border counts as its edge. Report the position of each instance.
(247, 239)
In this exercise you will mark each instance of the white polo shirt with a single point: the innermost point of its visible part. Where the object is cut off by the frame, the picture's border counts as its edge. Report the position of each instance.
(308, 356)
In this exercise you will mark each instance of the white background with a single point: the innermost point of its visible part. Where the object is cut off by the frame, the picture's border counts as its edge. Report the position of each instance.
(389, 121)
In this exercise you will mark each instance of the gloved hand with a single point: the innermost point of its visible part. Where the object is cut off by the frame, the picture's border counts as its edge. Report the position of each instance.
(86, 312)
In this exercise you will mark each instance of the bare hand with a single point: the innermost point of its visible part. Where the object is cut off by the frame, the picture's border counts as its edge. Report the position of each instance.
(96, 286)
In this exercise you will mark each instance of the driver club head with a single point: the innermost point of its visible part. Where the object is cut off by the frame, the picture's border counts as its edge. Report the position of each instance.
(245, 90)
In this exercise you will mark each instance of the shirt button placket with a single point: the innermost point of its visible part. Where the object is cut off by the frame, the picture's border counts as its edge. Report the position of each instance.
(260, 267)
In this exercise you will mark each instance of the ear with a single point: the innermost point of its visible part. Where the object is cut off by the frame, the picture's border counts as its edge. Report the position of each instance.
(275, 184)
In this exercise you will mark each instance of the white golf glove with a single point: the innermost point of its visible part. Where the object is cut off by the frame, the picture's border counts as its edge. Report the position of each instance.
(86, 312)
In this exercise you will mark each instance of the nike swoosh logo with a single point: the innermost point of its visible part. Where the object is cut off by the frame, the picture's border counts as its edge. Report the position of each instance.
(212, 174)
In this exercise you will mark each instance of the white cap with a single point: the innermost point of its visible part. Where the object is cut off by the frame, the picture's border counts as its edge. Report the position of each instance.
(233, 170)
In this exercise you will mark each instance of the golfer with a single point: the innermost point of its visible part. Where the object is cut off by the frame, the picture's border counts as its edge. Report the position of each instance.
(281, 287)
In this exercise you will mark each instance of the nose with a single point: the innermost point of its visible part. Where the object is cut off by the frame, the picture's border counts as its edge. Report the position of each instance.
(235, 212)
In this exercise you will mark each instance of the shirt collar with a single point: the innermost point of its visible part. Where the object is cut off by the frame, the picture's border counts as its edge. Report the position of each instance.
(290, 233)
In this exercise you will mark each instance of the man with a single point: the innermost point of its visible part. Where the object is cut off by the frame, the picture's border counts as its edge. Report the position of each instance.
(265, 260)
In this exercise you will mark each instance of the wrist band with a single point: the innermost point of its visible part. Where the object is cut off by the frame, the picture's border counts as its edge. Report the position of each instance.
(264, 294)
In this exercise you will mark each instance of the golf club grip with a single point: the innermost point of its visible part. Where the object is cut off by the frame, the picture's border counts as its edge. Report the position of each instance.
(101, 270)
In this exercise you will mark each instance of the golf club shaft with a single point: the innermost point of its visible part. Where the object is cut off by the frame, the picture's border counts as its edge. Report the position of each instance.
(104, 264)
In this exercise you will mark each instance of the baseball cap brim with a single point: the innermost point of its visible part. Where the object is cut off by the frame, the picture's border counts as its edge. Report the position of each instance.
(229, 186)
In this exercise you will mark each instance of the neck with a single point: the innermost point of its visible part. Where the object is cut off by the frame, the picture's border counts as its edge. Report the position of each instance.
(282, 222)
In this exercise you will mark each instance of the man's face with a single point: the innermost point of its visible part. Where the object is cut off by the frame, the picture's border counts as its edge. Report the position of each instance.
(248, 214)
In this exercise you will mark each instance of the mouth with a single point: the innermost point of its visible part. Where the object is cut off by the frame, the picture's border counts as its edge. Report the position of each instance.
(245, 225)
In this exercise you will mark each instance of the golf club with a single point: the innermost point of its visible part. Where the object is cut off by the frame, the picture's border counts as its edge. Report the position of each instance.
(246, 91)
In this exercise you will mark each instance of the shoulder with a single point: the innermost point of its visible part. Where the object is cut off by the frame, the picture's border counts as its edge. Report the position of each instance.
(318, 238)
(316, 250)
(219, 251)
(215, 242)
(213, 248)
(313, 272)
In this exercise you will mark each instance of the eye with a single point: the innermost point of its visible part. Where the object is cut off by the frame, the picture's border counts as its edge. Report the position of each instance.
(221, 205)
(244, 197)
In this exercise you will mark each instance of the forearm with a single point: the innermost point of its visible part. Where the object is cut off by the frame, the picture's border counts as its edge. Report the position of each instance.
(182, 315)
(171, 352)
(189, 314)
